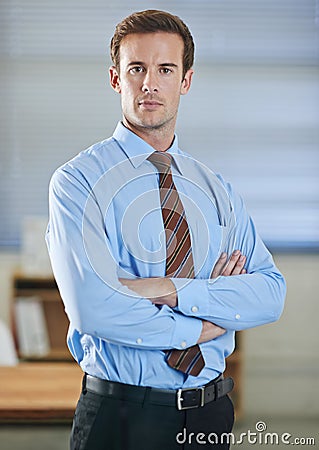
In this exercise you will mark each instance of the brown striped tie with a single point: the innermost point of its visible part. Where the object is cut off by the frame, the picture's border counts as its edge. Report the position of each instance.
(179, 257)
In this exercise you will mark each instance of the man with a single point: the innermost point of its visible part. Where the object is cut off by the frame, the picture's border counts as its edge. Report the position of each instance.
(157, 262)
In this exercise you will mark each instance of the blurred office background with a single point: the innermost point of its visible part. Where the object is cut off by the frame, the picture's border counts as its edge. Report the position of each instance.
(252, 114)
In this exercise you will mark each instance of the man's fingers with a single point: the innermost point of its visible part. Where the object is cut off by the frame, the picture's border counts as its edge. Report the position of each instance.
(231, 264)
(219, 265)
(237, 270)
(235, 264)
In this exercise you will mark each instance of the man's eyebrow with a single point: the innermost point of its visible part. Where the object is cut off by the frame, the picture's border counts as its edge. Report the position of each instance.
(168, 65)
(140, 63)
(135, 63)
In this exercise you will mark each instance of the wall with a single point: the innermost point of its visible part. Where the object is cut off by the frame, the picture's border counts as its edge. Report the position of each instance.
(282, 359)
(281, 363)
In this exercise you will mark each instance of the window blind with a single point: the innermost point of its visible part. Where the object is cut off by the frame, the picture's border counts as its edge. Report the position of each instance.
(252, 113)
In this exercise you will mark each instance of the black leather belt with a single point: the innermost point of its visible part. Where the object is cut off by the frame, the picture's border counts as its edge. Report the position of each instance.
(182, 398)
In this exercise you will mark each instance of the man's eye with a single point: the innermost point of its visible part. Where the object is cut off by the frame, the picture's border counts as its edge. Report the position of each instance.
(166, 70)
(137, 69)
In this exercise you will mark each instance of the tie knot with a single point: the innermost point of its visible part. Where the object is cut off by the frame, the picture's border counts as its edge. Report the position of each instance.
(161, 160)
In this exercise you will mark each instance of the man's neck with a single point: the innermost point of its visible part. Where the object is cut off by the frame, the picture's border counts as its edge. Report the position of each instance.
(160, 139)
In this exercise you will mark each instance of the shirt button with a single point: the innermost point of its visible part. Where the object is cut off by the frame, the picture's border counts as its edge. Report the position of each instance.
(183, 344)
(139, 340)
(237, 317)
(194, 309)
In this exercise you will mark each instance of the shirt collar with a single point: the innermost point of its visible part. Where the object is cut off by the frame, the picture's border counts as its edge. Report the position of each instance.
(135, 148)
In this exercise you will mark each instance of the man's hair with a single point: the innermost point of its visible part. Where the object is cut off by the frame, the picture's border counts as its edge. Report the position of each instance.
(152, 21)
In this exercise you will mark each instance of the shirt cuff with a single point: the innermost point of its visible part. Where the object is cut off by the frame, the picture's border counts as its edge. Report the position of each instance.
(187, 331)
(193, 296)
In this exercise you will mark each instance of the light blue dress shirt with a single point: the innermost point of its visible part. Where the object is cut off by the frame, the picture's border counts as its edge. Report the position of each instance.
(105, 222)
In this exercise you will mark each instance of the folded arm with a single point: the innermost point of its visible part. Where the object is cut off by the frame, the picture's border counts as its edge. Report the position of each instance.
(161, 291)
(250, 297)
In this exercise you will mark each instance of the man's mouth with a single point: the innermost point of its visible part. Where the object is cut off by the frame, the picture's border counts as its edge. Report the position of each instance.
(150, 104)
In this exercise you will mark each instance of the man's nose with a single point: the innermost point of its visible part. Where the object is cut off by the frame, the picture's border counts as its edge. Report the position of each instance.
(150, 82)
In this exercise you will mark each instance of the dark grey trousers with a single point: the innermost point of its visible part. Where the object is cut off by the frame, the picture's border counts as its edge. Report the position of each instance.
(107, 423)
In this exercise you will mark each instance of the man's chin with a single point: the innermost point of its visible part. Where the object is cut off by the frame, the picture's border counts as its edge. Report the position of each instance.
(152, 124)
(148, 123)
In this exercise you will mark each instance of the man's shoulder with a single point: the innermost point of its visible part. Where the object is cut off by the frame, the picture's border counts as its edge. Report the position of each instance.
(97, 158)
(87, 166)
(98, 152)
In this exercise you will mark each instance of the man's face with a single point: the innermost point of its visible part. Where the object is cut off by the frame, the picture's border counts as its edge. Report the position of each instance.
(151, 79)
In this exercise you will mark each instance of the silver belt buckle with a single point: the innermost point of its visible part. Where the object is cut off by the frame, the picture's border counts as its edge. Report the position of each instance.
(180, 399)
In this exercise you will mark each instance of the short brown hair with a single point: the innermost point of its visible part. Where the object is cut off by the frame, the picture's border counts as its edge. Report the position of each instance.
(152, 21)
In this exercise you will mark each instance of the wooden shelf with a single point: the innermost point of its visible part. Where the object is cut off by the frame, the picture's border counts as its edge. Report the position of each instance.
(46, 291)
(42, 392)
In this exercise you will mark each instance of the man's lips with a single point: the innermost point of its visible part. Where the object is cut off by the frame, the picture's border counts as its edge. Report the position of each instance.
(150, 104)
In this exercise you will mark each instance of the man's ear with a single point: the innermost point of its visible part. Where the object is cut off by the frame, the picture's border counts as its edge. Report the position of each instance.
(187, 81)
(115, 79)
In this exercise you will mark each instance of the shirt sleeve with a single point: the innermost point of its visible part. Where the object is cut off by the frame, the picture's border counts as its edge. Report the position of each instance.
(86, 273)
(240, 301)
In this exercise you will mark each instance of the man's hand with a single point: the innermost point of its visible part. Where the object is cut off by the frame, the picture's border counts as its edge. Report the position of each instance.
(210, 331)
(234, 266)
(160, 291)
